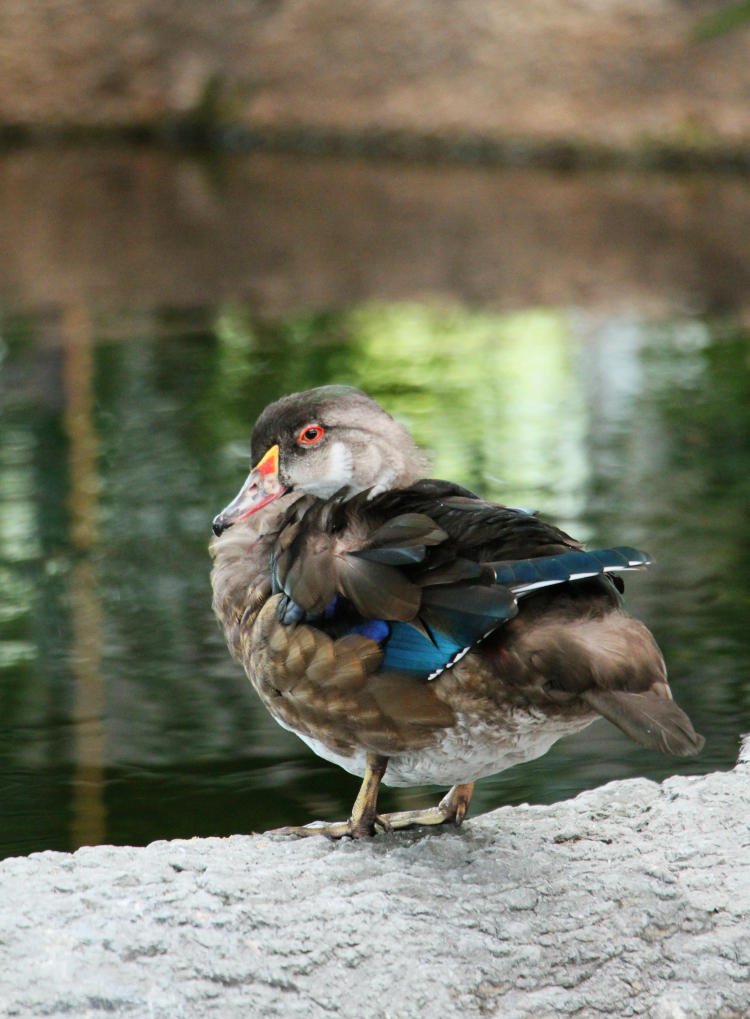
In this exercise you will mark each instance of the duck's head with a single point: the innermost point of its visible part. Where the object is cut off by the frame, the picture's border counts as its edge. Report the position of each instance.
(325, 440)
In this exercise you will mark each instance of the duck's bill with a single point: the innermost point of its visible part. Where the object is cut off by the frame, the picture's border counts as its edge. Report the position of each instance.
(261, 487)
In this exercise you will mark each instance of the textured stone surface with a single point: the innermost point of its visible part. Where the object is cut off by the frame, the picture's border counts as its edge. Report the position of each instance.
(631, 900)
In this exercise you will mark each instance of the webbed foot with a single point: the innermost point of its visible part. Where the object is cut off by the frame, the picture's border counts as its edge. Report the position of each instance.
(363, 824)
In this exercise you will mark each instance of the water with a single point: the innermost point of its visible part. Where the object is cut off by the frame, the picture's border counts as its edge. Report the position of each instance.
(122, 717)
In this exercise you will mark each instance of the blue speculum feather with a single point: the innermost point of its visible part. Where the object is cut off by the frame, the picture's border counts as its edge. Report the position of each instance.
(408, 650)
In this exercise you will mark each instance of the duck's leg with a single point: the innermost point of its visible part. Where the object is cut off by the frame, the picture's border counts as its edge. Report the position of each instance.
(365, 810)
(364, 819)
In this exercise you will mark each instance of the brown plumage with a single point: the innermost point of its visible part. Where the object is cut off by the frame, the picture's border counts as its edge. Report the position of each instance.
(408, 630)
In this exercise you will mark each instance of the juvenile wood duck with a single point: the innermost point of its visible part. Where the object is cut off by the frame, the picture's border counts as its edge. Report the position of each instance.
(410, 631)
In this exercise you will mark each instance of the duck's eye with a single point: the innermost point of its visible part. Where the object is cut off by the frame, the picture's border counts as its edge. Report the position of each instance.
(310, 435)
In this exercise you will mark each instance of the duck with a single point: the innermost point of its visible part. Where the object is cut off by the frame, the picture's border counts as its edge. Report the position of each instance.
(412, 632)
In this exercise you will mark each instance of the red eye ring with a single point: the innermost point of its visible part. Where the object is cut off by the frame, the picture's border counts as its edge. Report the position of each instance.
(311, 434)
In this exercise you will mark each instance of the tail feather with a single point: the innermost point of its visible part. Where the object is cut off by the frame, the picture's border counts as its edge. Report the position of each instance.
(651, 720)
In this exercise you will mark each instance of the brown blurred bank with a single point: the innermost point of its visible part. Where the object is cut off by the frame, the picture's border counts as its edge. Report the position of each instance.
(617, 73)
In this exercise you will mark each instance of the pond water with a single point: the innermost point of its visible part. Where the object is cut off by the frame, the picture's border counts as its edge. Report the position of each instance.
(122, 717)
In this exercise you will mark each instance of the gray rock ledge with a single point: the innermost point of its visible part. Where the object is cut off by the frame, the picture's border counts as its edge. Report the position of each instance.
(630, 900)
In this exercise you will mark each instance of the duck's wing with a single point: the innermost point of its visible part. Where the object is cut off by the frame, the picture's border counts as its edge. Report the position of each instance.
(391, 570)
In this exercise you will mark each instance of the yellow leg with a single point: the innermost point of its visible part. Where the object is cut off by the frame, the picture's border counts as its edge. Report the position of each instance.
(365, 810)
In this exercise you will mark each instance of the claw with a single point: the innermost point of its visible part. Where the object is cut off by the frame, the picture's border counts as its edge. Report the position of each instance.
(381, 821)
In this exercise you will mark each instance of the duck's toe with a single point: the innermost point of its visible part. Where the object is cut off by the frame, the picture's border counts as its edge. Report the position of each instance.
(451, 809)
(331, 829)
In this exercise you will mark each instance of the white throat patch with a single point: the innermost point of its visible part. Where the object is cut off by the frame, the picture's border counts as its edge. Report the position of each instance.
(339, 472)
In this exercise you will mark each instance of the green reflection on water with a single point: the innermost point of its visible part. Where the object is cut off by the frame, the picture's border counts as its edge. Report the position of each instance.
(624, 433)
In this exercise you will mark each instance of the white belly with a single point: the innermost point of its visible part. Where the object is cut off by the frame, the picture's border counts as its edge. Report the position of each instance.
(469, 750)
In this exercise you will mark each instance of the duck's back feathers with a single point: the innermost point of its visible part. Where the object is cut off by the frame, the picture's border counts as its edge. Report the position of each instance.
(479, 530)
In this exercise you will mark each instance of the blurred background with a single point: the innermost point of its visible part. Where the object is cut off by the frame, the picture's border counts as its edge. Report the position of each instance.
(525, 229)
